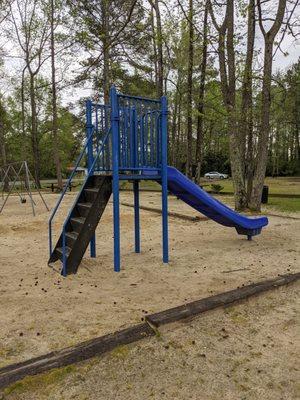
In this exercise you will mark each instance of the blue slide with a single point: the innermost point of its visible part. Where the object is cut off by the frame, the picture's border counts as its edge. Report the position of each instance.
(193, 195)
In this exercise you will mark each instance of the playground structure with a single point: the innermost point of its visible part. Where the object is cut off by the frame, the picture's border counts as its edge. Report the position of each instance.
(127, 140)
(17, 178)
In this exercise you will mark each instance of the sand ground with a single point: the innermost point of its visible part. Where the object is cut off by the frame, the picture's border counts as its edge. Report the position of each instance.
(40, 311)
(245, 352)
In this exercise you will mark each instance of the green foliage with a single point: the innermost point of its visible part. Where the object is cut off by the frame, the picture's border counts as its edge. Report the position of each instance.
(216, 188)
(18, 141)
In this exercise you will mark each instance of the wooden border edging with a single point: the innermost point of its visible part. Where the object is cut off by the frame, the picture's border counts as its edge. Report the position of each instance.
(103, 344)
(219, 300)
(170, 213)
(70, 355)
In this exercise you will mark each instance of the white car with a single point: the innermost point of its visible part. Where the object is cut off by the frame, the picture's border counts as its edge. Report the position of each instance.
(215, 175)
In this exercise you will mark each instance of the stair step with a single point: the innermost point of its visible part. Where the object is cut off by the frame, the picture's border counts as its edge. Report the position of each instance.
(86, 205)
(84, 208)
(92, 190)
(78, 220)
(72, 235)
(91, 193)
(77, 223)
(60, 251)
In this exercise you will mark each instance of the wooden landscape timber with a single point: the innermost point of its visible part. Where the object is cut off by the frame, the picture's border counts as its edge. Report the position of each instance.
(170, 213)
(223, 299)
(104, 344)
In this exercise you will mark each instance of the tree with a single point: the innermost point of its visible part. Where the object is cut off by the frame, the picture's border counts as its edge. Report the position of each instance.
(200, 109)
(226, 54)
(106, 31)
(158, 48)
(190, 90)
(3, 128)
(262, 145)
(54, 98)
(31, 25)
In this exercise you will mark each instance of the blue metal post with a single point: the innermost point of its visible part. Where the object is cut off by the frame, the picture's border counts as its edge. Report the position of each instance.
(137, 241)
(115, 162)
(64, 268)
(90, 160)
(164, 178)
(134, 133)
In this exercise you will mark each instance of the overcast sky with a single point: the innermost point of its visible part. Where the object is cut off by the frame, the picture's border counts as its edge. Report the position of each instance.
(13, 66)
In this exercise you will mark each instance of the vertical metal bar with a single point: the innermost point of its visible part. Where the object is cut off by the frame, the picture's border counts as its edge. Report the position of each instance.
(142, 141)
(137, 245)
(89, 127)
(64, 268)
(146, 141)
(28, 187)
(152, 140)
(103, 130)
(164, 177)
(132, 137)
(115, 160)
(135, 138)
(90, 160)
(126, 137)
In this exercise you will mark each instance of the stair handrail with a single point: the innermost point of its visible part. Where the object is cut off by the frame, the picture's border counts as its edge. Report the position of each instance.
(64, 270)
(66, 188)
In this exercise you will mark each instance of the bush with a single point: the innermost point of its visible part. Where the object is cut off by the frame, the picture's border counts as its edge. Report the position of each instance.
(216, 188)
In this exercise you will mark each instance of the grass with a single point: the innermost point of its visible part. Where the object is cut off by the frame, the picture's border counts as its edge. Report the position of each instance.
(279, 185)
(33, 383)
(284, 204)
(282, 185)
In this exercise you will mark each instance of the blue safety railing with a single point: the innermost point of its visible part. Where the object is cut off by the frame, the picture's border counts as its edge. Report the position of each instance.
(139, 133)
(98, 141)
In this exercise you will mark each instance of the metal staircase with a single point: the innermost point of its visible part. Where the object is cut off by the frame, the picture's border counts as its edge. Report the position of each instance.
(82, 222)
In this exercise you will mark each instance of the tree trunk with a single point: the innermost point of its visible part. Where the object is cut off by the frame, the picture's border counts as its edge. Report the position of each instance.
(2, 145)
(200, 135)
(154, 48)
(235, 141)
(173, 134)
(226, 55)
(106, 51)
(190, 93)
(262, 146)
(246, 118)
(297, 120)
(160, 66)
(177, 153)
(34, 133)
(26, 148)
(54, 105)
